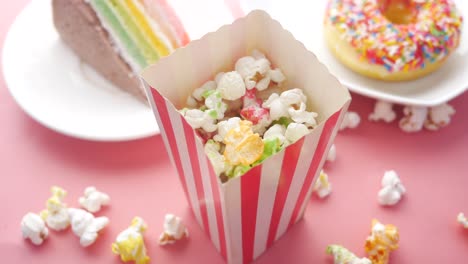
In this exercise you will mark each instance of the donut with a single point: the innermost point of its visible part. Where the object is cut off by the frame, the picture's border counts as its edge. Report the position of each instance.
(392, 40)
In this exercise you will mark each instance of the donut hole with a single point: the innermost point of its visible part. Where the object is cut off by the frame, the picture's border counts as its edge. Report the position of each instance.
(398, 11)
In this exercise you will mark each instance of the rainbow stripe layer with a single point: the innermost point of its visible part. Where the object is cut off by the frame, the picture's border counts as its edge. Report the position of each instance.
(136, 36)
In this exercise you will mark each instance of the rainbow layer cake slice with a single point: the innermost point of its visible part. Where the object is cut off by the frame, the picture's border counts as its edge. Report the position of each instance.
(118, 38)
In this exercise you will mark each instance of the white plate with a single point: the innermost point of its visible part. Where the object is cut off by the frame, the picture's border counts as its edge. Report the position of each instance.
(51, 84)
(305, 19)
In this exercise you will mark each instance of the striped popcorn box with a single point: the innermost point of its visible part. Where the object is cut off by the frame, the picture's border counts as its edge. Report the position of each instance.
(246, 215)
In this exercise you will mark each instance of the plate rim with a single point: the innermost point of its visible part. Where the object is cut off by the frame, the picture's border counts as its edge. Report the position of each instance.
(9, 85)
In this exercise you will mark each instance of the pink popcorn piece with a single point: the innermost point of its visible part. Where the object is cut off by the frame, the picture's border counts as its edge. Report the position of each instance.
(255, 114)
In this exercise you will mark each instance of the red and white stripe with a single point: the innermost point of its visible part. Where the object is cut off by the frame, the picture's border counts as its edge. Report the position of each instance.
(248, 214)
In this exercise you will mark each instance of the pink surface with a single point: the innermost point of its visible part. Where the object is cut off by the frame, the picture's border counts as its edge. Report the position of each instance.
(141, 181)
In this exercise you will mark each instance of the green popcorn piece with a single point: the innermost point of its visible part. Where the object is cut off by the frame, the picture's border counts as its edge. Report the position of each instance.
(213, 113)
(208, 93)
(285, 121)
(271, 147)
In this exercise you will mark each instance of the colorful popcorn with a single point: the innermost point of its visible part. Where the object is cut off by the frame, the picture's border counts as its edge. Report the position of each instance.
(130, 244)
(86, 226)
(246, 115)
(392, 189)
(34, 228)
(342, 255)
(322, 186)
(383, 240)
(56, 214)
(462, 220)
(439, 116)
(383, 110)
(350, 120)
(174, 230)
(93, 199)
(414, 118)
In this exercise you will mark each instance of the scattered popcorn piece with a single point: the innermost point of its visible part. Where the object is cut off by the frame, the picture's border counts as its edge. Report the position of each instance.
(383, 240)
(392, 189)
(414, 118)
(93, 199)
(295, 131)
(86, 226)
(200, 119)
(350, 120)
(56, 215)
(33, 228)
(174, 230)
(130, 244)
(231, 86)
(331, 156)
(322, 186)
(242, 145)
(383, 111)
(462, 220)
(439, 116)
(342, 255)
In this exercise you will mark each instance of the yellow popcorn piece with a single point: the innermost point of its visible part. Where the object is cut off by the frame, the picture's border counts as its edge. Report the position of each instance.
(383, 240)
(56, 214)
(130, 244)
(243, 147)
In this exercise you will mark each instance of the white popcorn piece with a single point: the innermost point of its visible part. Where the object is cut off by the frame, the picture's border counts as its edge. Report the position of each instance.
(342, 255)
(392, 189)
(276, 131)
(200, 119)
(322, 186)
(263, 83)
(286, 103)
(93, 199)
(231, 86)
(214, 102)
(383, 111)
(86, 226)
(293, 97)
(277, 75)
(462, 220)
(439, 116)
(55, 214)
(277, 108)
(350, 120)
(414, 118)
(256, 71)
(224, 126)
(198, 93)
(34, 228)
(295, 131)
(218, 161)
(331, 156)
(246, 67)
(302, 116)
(174, 230)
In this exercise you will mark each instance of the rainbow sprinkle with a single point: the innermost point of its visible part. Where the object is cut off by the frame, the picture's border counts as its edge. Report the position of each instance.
(398, 47)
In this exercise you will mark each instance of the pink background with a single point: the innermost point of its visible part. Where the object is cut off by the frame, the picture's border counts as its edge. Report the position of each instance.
(141, 181)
